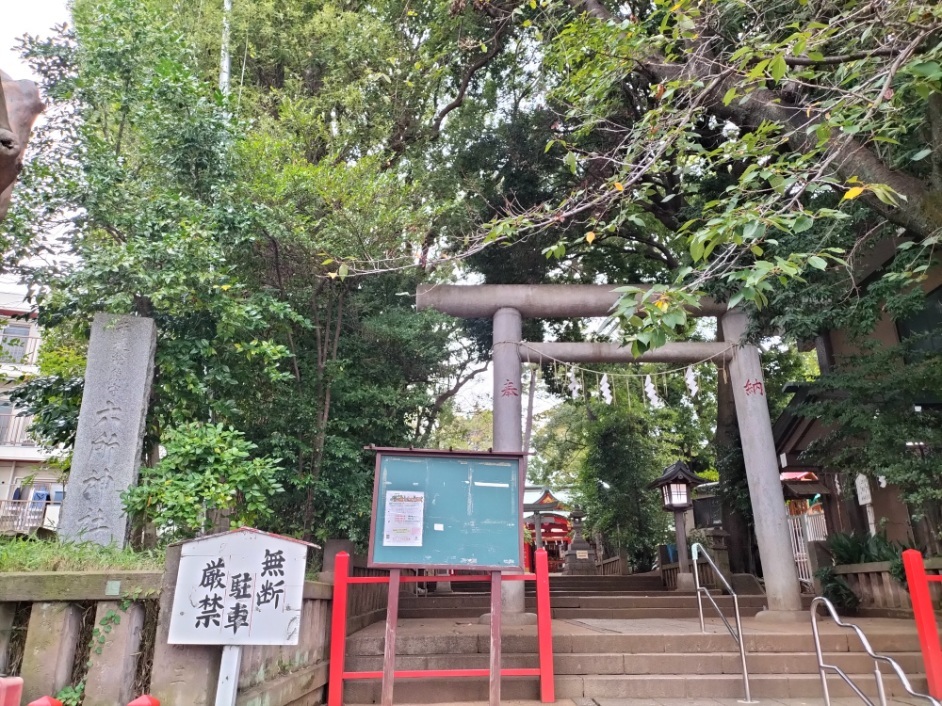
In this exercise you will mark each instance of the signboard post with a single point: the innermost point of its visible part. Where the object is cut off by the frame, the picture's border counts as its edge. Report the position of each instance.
(437, 509)
(243, 587)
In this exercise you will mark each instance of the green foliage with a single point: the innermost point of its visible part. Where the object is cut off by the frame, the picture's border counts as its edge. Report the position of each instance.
(20, 554)
(238, 224)
(72, 695)
(853, 548)
(206, 469)
(464, 431)
(869, 403)
(837, 590)
(622, 456)
(53, 402)
(711, 160)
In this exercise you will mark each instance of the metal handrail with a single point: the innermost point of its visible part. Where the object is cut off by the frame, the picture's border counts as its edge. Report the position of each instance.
(736, 634)
(822, 667)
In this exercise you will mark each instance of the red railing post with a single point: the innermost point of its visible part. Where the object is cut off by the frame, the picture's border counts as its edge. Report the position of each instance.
(338, 629)
(544, 629)
(925, 619)
(11, 691)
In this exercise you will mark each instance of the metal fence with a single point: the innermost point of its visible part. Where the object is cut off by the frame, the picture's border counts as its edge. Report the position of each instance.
(804, 529)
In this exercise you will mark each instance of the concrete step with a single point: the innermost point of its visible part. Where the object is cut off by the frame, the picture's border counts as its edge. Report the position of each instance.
(473, 613)
(633, 606)
(647, 663)
(426, 691)
(458, 643)
(604, 600)
(580, 583)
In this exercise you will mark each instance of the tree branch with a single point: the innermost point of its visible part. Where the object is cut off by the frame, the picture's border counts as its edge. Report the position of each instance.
(440, 401)
(497, 43)
(838, 58)
(851, 157)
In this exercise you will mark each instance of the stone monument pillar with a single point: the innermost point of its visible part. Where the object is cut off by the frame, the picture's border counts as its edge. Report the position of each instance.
(762, 473)
(107, 455)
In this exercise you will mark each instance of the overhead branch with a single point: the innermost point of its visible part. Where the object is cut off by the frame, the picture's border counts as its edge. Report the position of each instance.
(838, 58)
(849, 156)
(496, 45)
(436, 407)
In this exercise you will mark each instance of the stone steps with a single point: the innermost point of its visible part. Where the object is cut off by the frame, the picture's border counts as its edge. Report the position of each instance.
(580, 584)
(654, 663)
(633, 600)
(457, 643)
(623, 659)
(808, 686)
(598, 606)
(473, 613)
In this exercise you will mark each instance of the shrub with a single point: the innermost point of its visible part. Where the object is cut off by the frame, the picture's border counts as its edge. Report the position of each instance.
(206, 468)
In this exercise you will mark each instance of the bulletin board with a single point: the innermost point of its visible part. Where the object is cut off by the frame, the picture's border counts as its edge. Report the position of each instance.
(446, 509)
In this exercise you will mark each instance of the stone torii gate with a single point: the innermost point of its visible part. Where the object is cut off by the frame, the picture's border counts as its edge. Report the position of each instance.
(509, 304)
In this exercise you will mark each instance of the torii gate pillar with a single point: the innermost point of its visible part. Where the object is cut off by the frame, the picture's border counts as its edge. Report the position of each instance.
(508, 431)
(762, 473)
(752, 411)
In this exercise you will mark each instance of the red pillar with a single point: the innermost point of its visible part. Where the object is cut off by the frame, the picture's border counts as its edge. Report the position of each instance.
(544, 627)
(338, 629)
(925, 619)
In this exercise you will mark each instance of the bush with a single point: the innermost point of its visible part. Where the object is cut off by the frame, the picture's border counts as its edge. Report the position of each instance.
(853, 548)
(206, 468)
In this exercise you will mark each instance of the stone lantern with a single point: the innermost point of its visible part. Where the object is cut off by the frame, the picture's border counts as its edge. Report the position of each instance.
(675, 485)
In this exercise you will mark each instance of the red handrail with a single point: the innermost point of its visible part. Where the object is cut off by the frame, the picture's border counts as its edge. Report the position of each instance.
(924, 614)
(338, 631)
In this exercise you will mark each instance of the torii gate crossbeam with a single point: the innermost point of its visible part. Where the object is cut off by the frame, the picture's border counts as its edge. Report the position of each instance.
(508, 304)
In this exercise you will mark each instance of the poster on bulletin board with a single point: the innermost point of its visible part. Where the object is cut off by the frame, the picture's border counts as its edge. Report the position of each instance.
(446, 509)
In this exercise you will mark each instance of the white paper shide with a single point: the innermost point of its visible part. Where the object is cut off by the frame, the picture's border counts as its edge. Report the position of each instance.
(239, 588)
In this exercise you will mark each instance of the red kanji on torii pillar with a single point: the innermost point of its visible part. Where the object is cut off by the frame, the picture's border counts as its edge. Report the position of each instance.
(509, 304)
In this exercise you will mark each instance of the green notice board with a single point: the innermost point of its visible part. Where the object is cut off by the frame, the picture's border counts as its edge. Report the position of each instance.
(447, 509)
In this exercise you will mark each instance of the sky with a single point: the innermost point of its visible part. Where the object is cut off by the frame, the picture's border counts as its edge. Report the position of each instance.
(21, 17)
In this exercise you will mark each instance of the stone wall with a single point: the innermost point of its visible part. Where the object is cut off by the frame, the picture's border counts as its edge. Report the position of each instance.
(109, 631)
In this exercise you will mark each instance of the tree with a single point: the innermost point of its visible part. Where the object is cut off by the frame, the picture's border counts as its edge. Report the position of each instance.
(622, 459)
(881, 415)
(206, 469)
(172, 204)
(798, 112)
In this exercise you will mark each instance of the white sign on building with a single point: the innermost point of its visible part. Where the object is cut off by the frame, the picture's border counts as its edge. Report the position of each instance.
(863, 489)
(243, 587)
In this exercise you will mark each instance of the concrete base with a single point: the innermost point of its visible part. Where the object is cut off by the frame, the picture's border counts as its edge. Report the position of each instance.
(783, 616)
(685, 583)
(510, 619)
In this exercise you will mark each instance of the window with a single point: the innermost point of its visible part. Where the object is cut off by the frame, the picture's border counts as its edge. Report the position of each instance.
(927, 324)
(14, 343)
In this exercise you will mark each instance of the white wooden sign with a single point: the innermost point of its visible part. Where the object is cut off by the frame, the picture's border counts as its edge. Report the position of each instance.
(863, 489)
(243, 587)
